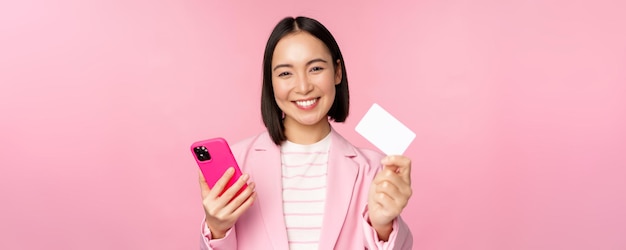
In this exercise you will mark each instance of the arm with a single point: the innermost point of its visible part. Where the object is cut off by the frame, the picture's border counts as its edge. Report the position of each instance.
(229, 241)
(400, 237)
(222, 211)
(389, 194)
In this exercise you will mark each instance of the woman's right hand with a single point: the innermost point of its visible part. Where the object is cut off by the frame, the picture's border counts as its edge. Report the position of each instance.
(221, 214)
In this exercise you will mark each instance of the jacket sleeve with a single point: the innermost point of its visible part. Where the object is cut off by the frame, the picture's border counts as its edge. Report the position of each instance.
(228, 242)
(399, 239)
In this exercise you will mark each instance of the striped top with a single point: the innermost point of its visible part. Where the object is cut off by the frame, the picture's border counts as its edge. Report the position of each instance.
(304, 191)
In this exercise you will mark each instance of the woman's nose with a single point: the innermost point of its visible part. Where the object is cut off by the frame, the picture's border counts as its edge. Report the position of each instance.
(303, 85)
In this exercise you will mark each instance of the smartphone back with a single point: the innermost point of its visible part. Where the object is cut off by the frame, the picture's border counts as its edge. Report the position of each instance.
(214, 157)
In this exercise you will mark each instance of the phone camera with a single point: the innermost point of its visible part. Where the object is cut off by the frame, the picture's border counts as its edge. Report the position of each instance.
(202, 153)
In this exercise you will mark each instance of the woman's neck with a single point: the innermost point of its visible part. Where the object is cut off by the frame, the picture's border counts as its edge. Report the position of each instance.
(306, 134)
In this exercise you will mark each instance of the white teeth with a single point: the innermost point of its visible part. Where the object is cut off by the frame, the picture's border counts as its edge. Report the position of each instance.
(306, 103)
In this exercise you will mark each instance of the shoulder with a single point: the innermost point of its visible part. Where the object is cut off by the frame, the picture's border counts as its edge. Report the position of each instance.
(370, 158)
(363, 156)
(251, 142)
(245, 148)
(370, 154)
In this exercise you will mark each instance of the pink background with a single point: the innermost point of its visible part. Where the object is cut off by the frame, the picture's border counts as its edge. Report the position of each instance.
(519, 109)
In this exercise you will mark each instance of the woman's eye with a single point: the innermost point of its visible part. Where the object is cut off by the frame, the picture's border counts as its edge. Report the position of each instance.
(284, 74)
(316, 69)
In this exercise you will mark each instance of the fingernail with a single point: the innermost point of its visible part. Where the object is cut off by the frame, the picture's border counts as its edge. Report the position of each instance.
(245, 177)
(230, 170)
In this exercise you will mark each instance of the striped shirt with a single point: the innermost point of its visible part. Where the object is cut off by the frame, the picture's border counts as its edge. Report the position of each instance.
(304, 191)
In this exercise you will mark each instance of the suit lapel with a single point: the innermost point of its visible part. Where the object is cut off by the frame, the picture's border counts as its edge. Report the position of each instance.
(342, 173)
(268, 178)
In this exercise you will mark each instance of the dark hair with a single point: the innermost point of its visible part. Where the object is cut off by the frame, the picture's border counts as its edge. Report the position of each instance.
(272, 115)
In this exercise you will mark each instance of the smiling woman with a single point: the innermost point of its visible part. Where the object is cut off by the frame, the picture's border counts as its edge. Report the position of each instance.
(307, 42)
(332, 194)
(304, 81)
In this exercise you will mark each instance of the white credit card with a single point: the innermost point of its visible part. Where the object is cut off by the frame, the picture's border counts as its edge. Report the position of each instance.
(385, 131)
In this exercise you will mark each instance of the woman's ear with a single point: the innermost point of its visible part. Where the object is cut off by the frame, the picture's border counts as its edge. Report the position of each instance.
(338, 73)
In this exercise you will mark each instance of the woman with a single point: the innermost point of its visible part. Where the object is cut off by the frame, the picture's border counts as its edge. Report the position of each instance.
(312, 189)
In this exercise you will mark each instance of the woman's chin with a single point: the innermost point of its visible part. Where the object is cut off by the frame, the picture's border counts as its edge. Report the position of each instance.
(309, 121)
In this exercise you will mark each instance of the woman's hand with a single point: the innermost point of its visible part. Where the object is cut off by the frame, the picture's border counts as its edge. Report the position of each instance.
(221, 214)
(389, 193)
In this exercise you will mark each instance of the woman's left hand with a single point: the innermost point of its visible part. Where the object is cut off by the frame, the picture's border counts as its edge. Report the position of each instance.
(389, 193)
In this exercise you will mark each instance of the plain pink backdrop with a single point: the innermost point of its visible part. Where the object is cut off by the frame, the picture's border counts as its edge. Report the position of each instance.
(519, 109)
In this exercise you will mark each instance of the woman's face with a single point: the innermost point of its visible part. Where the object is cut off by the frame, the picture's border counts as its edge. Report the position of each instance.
(304, 78)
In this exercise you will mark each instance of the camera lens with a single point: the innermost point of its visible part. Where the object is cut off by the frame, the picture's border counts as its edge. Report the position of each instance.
(202, 153)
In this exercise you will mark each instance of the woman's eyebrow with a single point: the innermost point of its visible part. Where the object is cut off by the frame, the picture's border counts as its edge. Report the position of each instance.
(315, 60)
(307, 64)
(281, 66)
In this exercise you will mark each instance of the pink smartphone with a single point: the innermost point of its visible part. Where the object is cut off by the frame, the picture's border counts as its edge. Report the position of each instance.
(214, 158)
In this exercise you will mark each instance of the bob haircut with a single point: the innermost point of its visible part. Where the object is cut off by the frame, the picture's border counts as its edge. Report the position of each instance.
(272, 114)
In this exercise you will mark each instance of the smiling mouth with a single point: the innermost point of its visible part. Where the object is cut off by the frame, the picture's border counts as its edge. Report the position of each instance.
(306, 103)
